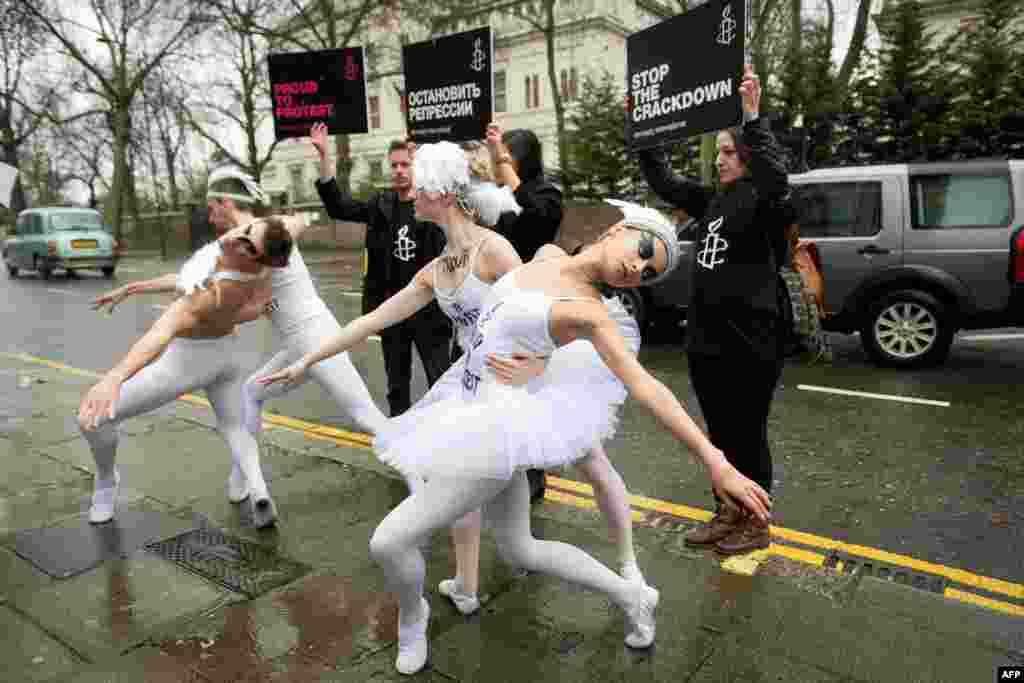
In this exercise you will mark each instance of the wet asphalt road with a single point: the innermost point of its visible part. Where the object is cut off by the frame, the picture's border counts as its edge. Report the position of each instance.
(943, 484)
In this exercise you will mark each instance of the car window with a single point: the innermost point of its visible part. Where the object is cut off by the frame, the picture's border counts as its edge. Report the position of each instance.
(22, 226)
(78, 220)
(960, 201)
(851, 209)
(37, 224)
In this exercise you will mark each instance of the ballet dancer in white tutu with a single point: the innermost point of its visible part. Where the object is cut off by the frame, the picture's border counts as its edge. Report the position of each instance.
(459, 280)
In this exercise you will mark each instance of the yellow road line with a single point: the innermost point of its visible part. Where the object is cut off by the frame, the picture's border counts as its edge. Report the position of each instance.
(982, 601)
(347, 438)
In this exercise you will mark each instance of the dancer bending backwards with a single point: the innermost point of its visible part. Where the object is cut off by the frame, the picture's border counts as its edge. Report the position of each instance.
(459, 280)
(299, 316)
(505, 429)
(191, 347)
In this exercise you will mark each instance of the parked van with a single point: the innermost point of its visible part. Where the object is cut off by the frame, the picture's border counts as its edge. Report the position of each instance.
(911, 253)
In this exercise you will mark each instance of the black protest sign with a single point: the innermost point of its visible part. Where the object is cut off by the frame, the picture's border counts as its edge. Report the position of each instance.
(448, 87)
(325, 85)
(683, 75)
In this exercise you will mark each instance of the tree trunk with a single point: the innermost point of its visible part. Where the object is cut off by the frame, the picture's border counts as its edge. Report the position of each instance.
(708, 152)
(556, 94)
(852, 59)
(120, 152)
(10, 157)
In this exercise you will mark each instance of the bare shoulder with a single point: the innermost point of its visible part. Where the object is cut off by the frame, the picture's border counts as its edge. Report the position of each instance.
(549, 251)
(497, 257)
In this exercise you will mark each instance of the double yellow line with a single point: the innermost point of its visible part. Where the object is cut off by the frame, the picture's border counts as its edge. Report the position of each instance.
(801, 546)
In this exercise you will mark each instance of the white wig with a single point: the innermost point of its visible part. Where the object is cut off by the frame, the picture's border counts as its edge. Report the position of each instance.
(487, 202)
(440, 167)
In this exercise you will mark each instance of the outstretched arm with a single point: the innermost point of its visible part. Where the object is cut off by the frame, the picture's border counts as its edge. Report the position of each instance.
(180, 316)
(590, 321)
(413, 297)
(164, 283)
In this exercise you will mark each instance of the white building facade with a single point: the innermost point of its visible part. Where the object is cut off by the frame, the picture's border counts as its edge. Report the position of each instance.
(590, 40)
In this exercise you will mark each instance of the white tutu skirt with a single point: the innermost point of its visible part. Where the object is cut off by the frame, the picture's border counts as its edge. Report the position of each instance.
(502, 430)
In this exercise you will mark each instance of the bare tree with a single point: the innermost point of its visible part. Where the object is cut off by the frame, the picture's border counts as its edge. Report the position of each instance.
(137, 35)
(83, 148)
(22, 108)
(237, 98)
(856, 49)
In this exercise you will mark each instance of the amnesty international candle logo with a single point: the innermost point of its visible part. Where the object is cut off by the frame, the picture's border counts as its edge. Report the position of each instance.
(714, 244)
(479, 56)
(351, 68)
(727, 29)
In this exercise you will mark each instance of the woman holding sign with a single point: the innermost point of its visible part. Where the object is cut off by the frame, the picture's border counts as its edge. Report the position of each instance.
(734, 323)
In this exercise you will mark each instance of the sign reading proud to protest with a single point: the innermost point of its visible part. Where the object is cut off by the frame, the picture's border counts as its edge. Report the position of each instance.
(448, 87)
(325, 85)
(683, 75)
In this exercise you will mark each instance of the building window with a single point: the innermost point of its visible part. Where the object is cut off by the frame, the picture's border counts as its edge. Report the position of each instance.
(573, 81)
(532, 84)
(374, 111)
(499, 91)
(298, 183)
(568, 84)
(376, 170)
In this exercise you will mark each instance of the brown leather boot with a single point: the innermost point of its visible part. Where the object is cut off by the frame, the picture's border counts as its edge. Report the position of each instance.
(748, 535)
(715, 529)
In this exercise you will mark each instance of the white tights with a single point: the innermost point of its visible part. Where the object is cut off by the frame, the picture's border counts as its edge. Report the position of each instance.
(440, 502)
(336, 375)
(186, 365)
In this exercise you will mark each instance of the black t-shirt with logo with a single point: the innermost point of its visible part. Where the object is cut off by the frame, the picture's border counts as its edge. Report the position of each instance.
(409, 249)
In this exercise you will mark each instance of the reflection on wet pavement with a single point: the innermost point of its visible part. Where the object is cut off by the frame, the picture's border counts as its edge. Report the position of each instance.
(322, 622)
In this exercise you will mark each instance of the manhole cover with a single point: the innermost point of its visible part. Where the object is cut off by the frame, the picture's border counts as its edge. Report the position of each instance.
(241, 566)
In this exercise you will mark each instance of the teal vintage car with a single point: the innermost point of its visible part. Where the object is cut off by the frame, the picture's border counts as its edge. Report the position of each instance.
(50, 238)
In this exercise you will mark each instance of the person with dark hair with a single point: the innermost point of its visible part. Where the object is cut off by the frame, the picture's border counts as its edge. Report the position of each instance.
(191, 347)
(735, 325)
(397, 246)
(518, 161)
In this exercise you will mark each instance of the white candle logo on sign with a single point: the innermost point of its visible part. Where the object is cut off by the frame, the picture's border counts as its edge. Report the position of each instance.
(713, 245)
(727, 29)
(479, 56)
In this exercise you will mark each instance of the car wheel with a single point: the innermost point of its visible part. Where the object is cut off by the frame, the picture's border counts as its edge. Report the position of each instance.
(44, 272)
(71, 274)
(908, 329)
(12, 271)
(633, 301)
(108, 271)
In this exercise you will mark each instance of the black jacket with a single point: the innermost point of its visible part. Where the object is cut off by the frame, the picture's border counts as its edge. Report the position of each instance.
(378, 214)
(539, 220)
(734, 308)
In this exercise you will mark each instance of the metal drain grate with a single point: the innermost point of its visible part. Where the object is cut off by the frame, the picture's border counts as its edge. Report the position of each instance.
(241, 566)
(889, 572)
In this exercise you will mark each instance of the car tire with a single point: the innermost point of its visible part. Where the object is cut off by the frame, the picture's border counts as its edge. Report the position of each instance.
(12, 271)
(634, 303)
(42, 269)
(108, 271)
(907, 329)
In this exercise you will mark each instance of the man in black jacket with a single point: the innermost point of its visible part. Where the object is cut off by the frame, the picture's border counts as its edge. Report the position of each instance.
(397, 247)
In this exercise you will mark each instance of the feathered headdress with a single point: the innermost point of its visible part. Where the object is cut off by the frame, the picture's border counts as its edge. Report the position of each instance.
(232, 183)
(655, 223)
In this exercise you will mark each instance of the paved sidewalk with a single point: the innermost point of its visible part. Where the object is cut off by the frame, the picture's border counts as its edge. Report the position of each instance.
(211, 599)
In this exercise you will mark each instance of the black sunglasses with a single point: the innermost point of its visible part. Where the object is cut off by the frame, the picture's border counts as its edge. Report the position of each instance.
(645, 249)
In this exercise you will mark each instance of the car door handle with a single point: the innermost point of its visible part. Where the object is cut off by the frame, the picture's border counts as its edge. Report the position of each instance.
(872, 249)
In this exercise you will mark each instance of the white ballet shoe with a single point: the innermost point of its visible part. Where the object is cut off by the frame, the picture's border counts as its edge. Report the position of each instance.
(237, 486)
(252, 411)
(640, 619)
(264, 512)
(630, 571)
(467, 603)
(104, 499)
(412, 642)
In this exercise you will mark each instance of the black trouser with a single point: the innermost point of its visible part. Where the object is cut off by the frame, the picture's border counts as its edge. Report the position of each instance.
(433, 339)
(735, 396)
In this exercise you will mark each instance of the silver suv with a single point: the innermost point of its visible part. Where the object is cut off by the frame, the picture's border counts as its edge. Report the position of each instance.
(910, 254)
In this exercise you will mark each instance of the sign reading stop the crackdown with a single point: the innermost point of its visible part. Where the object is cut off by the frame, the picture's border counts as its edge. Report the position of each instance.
(683, 75)
(325, 85)
(448, 87)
